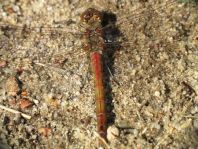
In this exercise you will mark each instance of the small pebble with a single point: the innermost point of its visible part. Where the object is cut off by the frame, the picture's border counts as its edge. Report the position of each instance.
(24, 94)
(112, 133)
(25, 103)
(34, 137)
(157, 93)
(4, 14)
(45, 131)
(51, 100)
(36, 101)
(12, 86)
(3, 63)
(15, 8)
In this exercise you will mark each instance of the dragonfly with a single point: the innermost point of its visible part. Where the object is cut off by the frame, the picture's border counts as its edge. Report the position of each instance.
(57, 49)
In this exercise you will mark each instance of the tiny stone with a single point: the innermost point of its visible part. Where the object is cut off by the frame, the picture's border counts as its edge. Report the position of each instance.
(12, 86)
(157, 126)
(4, 14)
(64, 104)
(157, 93)
(36, 102)
(135, 132)
(194, 110)
(137, 58)
(2, 63)
(112, 133)
(34, 136)
(29, 129)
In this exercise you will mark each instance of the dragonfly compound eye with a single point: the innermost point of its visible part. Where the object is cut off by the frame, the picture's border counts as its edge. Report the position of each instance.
(91, 15)
(87, 15)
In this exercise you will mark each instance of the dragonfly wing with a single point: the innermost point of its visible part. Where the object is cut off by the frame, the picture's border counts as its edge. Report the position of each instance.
(51, 55)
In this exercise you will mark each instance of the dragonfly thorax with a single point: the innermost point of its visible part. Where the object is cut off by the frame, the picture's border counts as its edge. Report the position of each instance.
(93, 35)
(93, 40)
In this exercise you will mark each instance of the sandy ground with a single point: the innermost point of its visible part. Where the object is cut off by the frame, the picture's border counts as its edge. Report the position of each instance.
(151, 94)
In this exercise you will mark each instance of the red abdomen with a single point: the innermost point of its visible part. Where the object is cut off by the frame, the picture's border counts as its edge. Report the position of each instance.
(96, 64)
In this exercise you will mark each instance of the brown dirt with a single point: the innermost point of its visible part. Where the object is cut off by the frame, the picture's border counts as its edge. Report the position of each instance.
(155, 102)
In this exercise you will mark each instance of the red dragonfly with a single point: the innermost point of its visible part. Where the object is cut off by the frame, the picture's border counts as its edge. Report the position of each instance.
(57, 48)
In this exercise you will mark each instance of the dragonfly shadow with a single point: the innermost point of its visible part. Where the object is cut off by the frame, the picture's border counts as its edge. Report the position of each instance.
(110, 36)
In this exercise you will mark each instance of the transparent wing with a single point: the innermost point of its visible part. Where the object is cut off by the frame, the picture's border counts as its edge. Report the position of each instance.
(25, 48)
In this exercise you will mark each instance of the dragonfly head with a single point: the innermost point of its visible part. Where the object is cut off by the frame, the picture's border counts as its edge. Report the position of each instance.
(91, 18)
